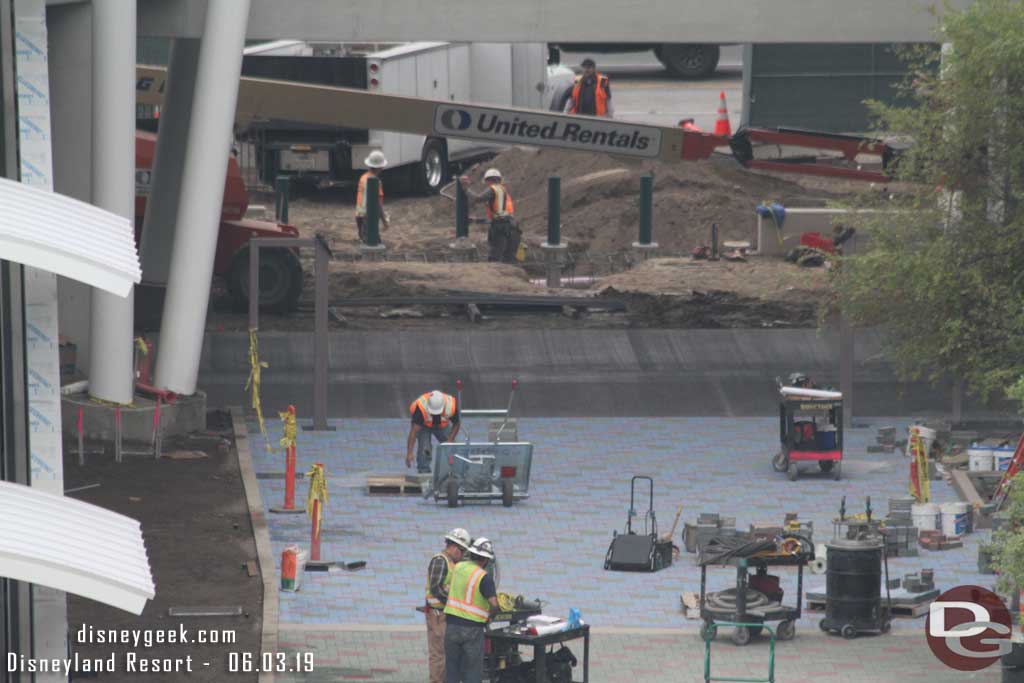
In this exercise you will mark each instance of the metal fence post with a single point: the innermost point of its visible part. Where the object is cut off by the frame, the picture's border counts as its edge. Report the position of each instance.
(372, 211)
(644, 246)
(461, 213)
(554, 210)
(281, 187)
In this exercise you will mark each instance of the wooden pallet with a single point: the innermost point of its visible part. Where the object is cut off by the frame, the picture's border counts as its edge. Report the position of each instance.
(392, 486)
(899, 610)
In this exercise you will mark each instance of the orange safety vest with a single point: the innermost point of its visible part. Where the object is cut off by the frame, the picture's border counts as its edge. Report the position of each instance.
(600, 94)
(501, 202)
(428, 419)
(361, 194)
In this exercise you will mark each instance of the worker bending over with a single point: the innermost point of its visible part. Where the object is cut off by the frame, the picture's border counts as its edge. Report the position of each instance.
(375, 163)
(592, 94)
(504, 234)
(439, 581)
(472, 599)
(433, 414)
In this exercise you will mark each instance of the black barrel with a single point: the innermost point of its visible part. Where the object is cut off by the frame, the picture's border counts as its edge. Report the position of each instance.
(854, 583)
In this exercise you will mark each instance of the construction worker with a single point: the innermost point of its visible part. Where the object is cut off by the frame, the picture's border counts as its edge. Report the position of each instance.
(434, 414)
(439, 580)
(504, 234)
(472, 599)
(375, 163)
(592, 94)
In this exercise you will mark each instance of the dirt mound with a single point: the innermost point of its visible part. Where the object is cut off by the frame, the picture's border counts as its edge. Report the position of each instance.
(372, 279)
(600, 210)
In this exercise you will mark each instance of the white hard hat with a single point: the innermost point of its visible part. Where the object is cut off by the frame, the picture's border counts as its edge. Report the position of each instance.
(459, 537)
(492, 173)
(435, 403)
(376, 159)
(482, 547)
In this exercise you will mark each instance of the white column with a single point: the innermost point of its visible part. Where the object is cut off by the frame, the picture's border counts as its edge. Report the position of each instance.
(113, 169)
(165, 184)
(202, 193)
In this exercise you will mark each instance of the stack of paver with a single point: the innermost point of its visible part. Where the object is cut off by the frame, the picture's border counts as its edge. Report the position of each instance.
(900, 532)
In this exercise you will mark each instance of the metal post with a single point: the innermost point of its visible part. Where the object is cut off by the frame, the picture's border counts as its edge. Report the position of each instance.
(117, 434)
(81, 437)
(714, 242)
(646, 201)
(282, 188)
(113, 188)
(461, 213)
(555, 210)
(202, 195)
(320, 336)
(254, 284)
(314, 533)
(372, 212)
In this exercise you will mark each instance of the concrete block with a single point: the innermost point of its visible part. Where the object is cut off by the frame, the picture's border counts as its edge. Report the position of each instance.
(184, 415)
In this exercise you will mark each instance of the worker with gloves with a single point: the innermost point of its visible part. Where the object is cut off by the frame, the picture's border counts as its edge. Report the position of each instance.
(472, 599)
(592, 94)
(439, 581)
(375, 163)
(434, 414)
(504, 234)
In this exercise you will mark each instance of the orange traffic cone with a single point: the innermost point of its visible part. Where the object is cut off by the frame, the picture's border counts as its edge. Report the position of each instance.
(722, 127)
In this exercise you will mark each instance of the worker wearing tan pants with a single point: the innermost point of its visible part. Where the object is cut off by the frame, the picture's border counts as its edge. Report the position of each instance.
(439, 581)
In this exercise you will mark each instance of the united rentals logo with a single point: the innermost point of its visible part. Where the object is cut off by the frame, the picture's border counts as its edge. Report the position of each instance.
(526, 128)
(968, 628)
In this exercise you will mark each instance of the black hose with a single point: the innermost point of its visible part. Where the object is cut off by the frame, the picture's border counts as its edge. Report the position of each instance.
(726, 600)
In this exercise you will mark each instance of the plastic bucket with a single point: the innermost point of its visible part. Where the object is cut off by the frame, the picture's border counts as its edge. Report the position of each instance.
(293, 566)
(1003, 456)
(826, 439)
(980, 459)
(954, 519)
(927, 516)
(927, 439)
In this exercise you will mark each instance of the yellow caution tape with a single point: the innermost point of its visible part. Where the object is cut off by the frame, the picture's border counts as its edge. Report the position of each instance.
(291, 429)
(141, 347)
(317, 491)
(921, 488)
(255, 367)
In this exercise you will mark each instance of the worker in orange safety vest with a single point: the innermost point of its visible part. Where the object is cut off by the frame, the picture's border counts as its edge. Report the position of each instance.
(504, 235)
(434, 414)
(375, 163)
(592, 93)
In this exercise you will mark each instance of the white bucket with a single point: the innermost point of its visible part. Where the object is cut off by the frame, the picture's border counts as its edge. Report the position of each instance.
(1003, 456)
(954, 519)
(980, 459)
(927, 439)
(927, 516)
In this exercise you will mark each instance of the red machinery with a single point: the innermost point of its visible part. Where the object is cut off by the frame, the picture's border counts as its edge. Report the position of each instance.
(281, 277)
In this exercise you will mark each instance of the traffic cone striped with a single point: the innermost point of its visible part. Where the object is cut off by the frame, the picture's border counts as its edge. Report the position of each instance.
(722, 127)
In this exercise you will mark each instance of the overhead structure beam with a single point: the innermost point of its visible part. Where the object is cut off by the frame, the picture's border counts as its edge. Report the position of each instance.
(531, 21)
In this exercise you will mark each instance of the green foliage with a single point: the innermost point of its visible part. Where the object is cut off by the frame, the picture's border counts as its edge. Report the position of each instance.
(945, 274)
(1008, 542)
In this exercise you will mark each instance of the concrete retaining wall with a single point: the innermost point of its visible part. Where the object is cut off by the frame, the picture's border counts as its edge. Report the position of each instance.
(561, 372)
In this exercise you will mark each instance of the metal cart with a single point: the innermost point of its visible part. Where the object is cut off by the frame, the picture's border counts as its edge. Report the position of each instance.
(710, 635)
(802, 439)
(754, 617)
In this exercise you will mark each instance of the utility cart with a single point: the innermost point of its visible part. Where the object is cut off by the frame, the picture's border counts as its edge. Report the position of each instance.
(484, 471)
(756, 599)
(810, 431)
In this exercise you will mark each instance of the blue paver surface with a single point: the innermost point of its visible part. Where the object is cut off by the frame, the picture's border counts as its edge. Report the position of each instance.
(553, 545)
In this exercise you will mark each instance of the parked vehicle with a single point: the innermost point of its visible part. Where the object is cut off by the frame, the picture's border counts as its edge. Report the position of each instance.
(281, 276)
(502, 74)
(685, 60)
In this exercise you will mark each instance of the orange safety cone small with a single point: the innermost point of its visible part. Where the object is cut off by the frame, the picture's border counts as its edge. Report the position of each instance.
(722, 127)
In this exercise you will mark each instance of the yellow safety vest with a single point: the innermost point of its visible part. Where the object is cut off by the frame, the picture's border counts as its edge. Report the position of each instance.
(464, 597)
(432, 600)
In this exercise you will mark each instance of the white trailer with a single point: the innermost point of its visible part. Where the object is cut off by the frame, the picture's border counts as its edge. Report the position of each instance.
(502, 74)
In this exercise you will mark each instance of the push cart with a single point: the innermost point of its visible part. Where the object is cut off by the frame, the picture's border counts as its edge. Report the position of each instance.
(484, 471)
(633, 552)
(810, 431)
(756, 599)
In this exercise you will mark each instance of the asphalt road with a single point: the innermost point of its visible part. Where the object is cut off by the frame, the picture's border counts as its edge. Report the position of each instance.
(644, 92)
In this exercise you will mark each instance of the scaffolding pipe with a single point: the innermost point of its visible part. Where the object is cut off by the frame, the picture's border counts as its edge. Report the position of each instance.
(111, 349)
(202, 189)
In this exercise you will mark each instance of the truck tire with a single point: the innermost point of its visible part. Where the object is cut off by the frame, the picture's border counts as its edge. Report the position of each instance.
(687, 60)
(560, 100)
(431, 173)
(281, 279)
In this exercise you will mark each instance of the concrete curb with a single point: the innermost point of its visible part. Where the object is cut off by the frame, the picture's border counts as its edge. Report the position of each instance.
(261, 532)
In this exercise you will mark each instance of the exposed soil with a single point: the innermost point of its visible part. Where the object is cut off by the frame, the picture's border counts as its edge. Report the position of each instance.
(195, 523)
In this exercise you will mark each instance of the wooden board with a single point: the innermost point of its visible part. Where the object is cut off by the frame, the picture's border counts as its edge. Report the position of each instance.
(393, 485)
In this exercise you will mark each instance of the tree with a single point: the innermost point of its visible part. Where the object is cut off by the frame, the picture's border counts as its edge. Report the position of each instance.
(945, 274)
